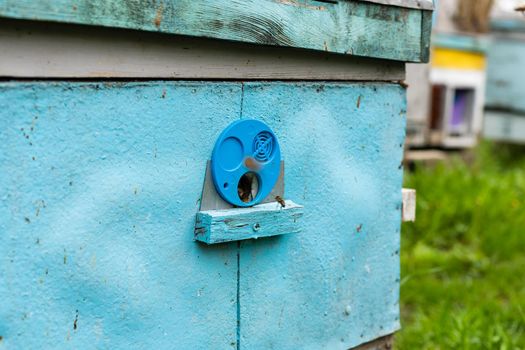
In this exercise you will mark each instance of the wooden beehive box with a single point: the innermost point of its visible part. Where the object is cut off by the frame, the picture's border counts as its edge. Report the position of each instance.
(505, 106)
(445, 105)
(109, 112)
(457, 78)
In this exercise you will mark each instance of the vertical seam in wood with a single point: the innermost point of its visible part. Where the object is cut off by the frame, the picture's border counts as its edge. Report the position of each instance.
(242, 100)
(239, 254)
(238, 295)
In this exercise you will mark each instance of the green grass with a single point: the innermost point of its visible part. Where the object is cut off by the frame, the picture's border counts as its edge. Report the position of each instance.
(463, 260)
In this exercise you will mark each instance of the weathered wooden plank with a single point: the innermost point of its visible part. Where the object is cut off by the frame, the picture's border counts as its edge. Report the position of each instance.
(418, 103)
(348, 27)
(426, 156)
(473, 43)
(417, 4)
(263, 220)
(418, 93)
(426, 30)
(409, 205)
(54, 50)
(506, 73)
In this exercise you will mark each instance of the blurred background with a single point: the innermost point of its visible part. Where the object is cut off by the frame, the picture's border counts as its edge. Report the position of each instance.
(463, 260)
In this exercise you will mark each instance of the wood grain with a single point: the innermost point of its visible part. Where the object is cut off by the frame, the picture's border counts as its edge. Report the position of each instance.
(347, 27)
(55, 50)
(263, 220)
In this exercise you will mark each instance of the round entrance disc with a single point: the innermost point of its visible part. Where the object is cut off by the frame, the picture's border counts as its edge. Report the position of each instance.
(245, 162)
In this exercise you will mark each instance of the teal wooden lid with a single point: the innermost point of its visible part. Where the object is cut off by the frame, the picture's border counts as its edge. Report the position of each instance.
(388, 29)
(508, 25)
(463, 42)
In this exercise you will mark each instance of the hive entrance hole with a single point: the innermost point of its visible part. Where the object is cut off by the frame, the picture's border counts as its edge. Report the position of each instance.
(248, 187)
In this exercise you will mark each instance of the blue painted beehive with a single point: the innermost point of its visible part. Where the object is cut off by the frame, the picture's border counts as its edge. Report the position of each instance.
(504, 106)
(115, 229)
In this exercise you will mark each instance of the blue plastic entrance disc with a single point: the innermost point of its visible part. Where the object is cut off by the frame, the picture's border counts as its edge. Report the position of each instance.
(246, 162)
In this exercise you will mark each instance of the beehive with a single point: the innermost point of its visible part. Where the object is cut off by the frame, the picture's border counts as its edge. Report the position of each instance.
(110, 111)
(504, 107)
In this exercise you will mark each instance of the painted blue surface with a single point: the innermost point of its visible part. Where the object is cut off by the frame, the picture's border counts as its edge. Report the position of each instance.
(335, 284)
(504, 126)
(506, 74)
(264, 220)
(435, 13)
(473, 43)
(508, 25)
(100, 185)
(243, 141)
